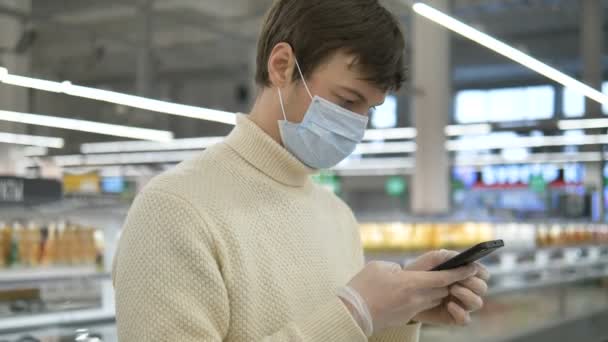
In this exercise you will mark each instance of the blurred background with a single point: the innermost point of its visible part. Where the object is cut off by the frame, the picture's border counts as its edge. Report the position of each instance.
(98, 97)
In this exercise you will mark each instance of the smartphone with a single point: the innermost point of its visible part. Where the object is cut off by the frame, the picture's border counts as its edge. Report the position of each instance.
(470, 255)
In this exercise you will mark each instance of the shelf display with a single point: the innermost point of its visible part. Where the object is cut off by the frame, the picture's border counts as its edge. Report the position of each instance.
(31, 245)
(412, 237)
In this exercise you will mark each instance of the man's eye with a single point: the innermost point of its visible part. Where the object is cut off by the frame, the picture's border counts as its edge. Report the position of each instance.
(344, 101)
(347, 103)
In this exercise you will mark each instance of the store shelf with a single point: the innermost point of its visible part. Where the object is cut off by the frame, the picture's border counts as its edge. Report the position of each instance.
(538, 284)
(20, 276)
(73, 318)
(525, 269)
(106, 331)
(400, 256)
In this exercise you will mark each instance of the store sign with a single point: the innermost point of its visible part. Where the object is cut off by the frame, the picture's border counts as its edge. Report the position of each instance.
(12, 190)
(538, 183)
(113, 185)
(26, 190)
(328, 180)
(395, 186)
(88, 183)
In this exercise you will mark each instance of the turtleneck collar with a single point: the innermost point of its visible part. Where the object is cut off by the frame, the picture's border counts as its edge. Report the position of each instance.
(265, 154)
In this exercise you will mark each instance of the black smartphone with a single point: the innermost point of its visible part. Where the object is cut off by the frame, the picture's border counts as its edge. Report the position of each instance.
(470, 255)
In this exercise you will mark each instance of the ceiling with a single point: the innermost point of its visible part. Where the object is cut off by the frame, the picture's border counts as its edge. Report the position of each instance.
(89, 40)
(86, 40)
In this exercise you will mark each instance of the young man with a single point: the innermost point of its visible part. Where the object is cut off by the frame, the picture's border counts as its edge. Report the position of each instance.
(239, 245)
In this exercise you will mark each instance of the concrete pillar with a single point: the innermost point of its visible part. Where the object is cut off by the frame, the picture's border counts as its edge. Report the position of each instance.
(594, 180)
(592, 41)
(431, 103)
(592, 38)
(11, 29)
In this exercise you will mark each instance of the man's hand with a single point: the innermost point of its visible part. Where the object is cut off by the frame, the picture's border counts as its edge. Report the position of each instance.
(466, 296)
(394, 296)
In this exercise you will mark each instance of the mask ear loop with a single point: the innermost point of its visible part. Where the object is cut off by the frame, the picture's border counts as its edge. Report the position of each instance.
(303, 81)
(282, 106)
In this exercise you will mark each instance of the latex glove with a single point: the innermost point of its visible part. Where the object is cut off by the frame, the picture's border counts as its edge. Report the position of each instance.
(394, 296)
(466, 296)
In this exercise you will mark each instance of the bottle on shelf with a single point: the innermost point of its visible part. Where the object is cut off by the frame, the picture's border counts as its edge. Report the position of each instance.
(33, 245)
(49, 247)
(14, 255)
(99, 249)
(7, 236)
(429, 235)
(3, 228)
(62, 257)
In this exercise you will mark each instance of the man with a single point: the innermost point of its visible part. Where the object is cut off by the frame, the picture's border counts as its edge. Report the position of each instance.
(239, 245)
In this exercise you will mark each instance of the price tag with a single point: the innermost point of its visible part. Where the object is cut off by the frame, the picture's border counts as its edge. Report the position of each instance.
(542, 258)
(594, 253)
(11, 190)
(508, 261)
(571, 255)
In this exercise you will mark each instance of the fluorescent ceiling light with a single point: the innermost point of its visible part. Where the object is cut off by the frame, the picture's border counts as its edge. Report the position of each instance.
(375, 164)
(582, 124)
(86, 126)
(386, 148)
(149, 104)
(411, 132)
(141, 146)
(35, 151)
(390, 133)
(34, 83)
(30, 140)
(508, 51)
(68, 88)
(534, 158)
(476, 129)
(488, 143)
(123, 158)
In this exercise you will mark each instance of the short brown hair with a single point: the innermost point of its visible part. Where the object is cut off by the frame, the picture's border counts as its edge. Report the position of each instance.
(316, 29)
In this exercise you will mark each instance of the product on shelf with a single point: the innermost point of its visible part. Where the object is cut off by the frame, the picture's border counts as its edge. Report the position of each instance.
(426, 236)
(56, 244)
(422, 236)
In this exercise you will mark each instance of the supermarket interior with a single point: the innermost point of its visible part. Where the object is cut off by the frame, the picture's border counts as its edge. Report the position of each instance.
(498, 133)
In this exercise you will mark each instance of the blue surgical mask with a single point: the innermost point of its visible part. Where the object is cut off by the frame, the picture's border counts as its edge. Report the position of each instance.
(327, 134)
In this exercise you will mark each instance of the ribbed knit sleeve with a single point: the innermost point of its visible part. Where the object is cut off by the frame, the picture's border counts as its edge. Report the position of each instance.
(167, 283)
(405, 333)
(169, 286)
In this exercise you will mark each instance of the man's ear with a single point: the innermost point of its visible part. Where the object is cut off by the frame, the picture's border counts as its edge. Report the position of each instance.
(281, 65)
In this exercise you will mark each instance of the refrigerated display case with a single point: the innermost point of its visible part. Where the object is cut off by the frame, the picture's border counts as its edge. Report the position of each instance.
(549, 280)
(55, 282)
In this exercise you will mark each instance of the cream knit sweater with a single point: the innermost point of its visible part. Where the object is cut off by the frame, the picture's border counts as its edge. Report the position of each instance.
(239, 245)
